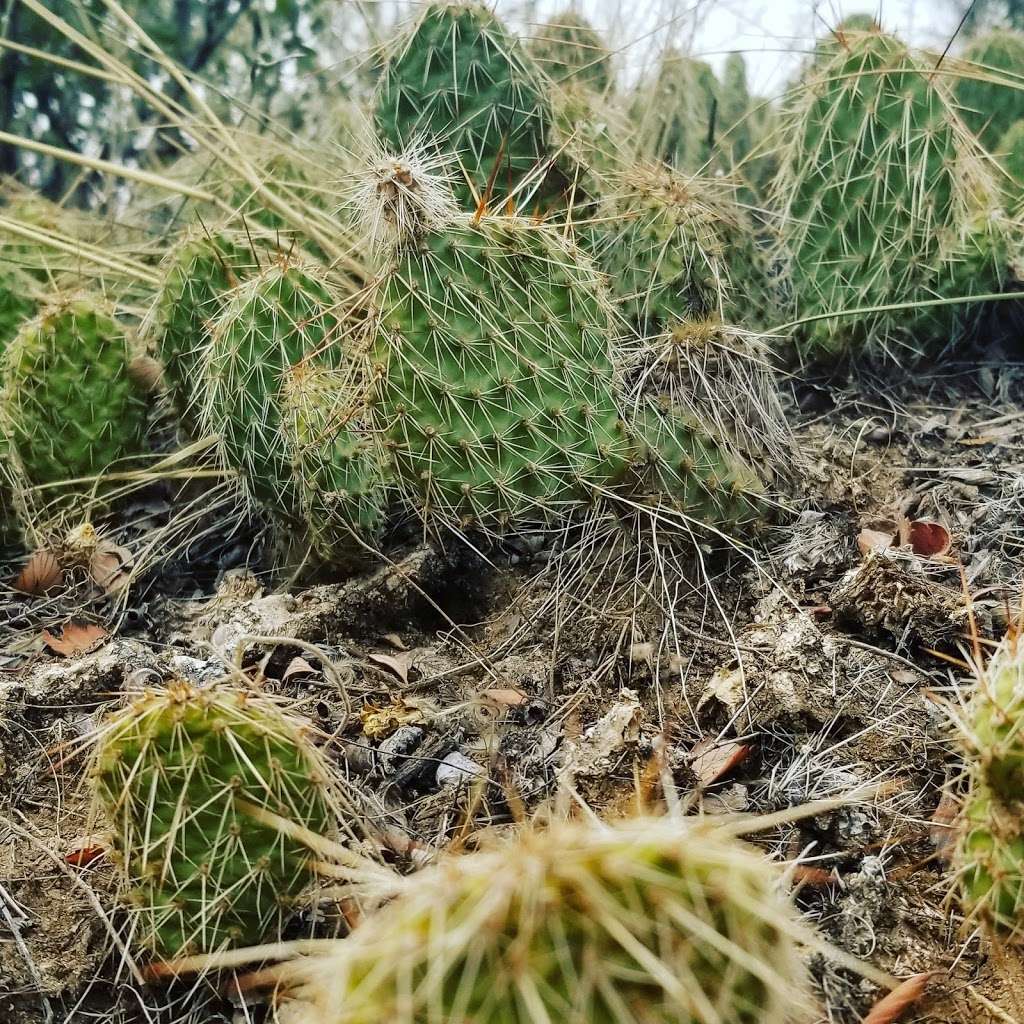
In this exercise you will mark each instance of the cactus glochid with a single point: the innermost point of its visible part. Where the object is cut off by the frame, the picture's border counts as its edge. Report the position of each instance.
(990, 852)
(644, 922)
(174, 772)
(886, 199)
(70, 407)
(461, 81)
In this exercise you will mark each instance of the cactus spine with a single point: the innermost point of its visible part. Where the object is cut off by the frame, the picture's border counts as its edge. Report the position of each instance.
(460, 80)
(69, 405)
(885, 199)
(990, 854)
(174, 773)
(646, 922)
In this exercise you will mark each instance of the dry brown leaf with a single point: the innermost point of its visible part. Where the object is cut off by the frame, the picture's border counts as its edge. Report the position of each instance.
(298, 667)
(710, 761)
(891, 1007)
(76, 638)
(40, 574)
(813, 878)
(379, 722)
(110, 566)
(510, 698)
(394, 640)
(399, 664)
(943, 832)
(869, 540)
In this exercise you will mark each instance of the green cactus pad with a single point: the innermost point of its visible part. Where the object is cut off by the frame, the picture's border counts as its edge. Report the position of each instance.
(676, 246)
(988, 106)
(568, 49)
(199, 275)
(990, 860)
(495, 381)
(1010, 152)
(885, 199)
(460, 80)
(272, 322)
(647, 922)
(70, 407)
(174, 773)
(18, 302)
(337, 463)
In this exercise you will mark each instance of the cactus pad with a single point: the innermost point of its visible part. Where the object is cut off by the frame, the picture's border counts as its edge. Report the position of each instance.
(568, 49)
(988, 106)
(646, 922)
(70, 407)
(171, 772)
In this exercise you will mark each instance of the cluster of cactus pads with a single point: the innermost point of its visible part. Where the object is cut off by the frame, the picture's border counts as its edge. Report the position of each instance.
(990, 854)
(177, 773)
(649, 921)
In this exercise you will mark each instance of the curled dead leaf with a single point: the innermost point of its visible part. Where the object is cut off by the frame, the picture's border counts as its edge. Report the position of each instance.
(110, 566)
(76, 638)
(397, 663)
(943, 827)
(40, 574)
(926, 538)
(297, 667)
(805, 875)
(84, 856)
(891, 1007)
(710, 760)
(869, 540)
(510, 698)
(379, 722)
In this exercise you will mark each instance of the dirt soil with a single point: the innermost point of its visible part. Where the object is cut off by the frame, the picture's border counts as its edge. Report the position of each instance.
(467, 689)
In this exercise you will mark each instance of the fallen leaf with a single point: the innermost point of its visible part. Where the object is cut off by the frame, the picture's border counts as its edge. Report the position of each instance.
(710, 760)
(84, 856)
(297, 667)
(110, 566)
(395, 641)
(510, 698)
(813, 878)
(40, 574)
(379, 722)
(891, 1007)
(399, 664)
(76, 638)
(943, 831)
(869, 540)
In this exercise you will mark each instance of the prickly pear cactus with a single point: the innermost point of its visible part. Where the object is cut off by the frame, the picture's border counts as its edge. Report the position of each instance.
(1010, 153)
(174, 773)
(200, 272)
(568, 49)
(337, 463)
(460, 80)
(990, 854)
(272, 322)
(69, 405)
(987, 105)
(18, 301)
(495, 384)
(676, 246)
(885, 199)
(676, 113)
(646, 922)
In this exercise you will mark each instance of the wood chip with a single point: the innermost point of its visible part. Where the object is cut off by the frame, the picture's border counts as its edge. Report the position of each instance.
(76, 638)
(41, 574)
(891, 1007)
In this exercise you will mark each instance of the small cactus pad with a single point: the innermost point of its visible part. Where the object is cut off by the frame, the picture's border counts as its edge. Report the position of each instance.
(70, 407)
(492, 353)
(646, 922)
(460, 80)
(271, 323)
(568, 49)
(676, 246)
(175, 772)
(337, 463)
(200, 272)
(883, 193)
(990, 85)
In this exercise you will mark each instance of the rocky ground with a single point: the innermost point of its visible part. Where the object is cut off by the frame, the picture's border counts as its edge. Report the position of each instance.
(456, 690)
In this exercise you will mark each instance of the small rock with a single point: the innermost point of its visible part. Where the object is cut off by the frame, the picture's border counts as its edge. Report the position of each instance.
(457, 769)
